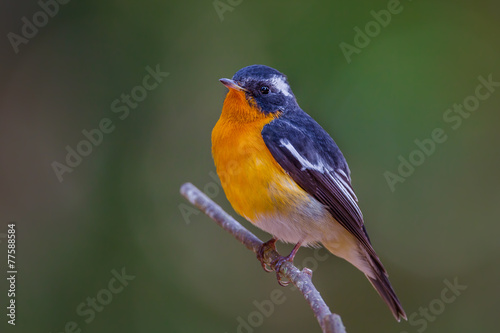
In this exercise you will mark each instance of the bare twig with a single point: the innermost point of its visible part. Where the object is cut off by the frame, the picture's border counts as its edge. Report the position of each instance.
(330, 323)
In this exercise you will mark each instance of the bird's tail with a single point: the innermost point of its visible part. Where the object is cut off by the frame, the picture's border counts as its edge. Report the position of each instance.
(374, 270)
(380, 281)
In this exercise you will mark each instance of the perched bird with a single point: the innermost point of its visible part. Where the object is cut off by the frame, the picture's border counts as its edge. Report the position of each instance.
(282, 171)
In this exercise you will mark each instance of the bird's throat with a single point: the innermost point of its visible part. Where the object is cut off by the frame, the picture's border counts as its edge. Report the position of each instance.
(241, 109)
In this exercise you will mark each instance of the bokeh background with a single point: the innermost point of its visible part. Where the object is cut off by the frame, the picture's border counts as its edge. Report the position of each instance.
(120, 208)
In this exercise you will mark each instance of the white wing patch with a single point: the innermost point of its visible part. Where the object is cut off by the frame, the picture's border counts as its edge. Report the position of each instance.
(343, 177)
(343, 174)
(304, 162)
(339, 178)
(347, 190)
(281, 85)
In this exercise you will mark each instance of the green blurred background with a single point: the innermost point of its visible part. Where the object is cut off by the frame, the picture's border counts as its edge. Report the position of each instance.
(121, 208)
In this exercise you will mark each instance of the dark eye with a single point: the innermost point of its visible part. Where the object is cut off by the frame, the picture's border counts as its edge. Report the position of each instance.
(264, 90)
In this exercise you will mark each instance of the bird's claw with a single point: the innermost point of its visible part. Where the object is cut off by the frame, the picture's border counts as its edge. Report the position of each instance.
(277, 265)
(269, 245)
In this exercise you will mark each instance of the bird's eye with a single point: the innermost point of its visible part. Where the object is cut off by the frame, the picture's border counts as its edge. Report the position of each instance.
(264, 90)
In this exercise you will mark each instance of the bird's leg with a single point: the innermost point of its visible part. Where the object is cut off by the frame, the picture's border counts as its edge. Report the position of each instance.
(270, 244)
(281, 260)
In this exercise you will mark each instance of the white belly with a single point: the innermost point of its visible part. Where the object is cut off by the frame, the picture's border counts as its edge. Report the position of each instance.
(306, 221)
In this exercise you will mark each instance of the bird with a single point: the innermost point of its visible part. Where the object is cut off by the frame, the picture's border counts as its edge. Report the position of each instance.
(284, 173)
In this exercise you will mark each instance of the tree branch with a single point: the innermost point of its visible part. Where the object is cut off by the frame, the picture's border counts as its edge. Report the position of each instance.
(330, 323)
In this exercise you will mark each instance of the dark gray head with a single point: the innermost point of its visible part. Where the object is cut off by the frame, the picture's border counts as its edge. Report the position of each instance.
(265, 86)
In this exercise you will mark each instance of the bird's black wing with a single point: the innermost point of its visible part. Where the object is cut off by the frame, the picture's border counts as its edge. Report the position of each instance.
(311, 157)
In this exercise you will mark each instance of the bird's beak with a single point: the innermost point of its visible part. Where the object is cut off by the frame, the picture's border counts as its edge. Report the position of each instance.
(232, 85)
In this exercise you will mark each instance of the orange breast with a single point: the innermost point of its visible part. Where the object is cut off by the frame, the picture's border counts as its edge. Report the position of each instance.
(250, 176)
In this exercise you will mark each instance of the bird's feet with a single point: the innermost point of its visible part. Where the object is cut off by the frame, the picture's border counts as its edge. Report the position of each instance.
(276, 263)
(269, 245)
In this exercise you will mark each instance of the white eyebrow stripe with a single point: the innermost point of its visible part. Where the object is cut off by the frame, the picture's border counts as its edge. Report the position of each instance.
(281, 85)
(304, 162)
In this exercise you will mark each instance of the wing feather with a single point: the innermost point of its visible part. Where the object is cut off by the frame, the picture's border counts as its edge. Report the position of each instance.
(313, 160)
